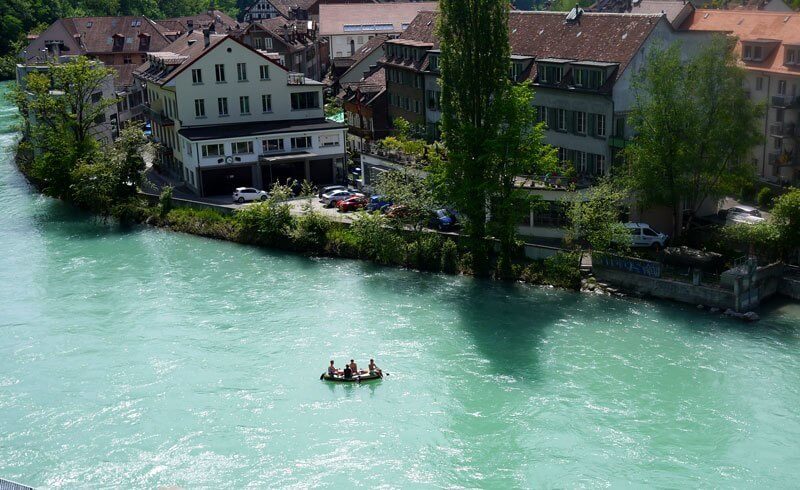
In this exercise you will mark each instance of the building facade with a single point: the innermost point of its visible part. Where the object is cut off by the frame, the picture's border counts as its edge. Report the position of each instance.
(768, 46)
(230, 116)
(295, 44)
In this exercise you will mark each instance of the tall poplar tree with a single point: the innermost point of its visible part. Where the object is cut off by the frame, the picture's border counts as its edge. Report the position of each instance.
(474, 64)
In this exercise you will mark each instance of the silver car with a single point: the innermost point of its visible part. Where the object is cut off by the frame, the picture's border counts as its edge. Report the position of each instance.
(242, 194)
(332, 197)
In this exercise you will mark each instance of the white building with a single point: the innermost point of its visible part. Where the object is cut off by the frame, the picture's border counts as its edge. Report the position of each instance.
(349, 26)
(231, 116)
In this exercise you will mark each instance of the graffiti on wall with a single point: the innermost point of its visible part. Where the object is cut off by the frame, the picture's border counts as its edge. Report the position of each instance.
(628, 264)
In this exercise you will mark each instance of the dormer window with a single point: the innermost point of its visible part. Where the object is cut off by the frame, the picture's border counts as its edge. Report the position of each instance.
(89, 24)
(119, 42)
(516, 70)
(434, 62)
(551, 74)
(587, 78)
(747, 53)
(792, 56)
(144, 42)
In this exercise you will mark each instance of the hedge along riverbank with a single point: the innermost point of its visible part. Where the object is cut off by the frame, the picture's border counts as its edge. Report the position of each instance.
(371, 236)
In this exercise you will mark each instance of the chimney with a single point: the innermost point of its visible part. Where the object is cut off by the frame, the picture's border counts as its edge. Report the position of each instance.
(206, 37)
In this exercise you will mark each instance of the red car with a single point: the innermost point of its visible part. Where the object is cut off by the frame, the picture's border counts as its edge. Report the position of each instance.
(352, 203)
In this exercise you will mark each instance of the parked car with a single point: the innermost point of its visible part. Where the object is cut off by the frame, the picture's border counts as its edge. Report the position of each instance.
(242, 194)
(733, 218)
(398, 211)
(329, 189)
(643, 235)
(378, 203)
(442, 220)
(330, 198)
(352, 203)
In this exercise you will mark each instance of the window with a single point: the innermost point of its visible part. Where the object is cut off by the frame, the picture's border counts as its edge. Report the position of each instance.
(188, 148)
(220, 71)
(126, 60)
(197, 76)
(305, 100)
(244, 104)
(241, 72)
(600, 125)
(301, 142)
(580, 122)
(259, 42)
(272, 145)
(599, 164)
(327, 140)
(96, 97)
(144, 42)
(266, 103)
(782, 87)
(561, 116)
(199, 108)
(777, 143)
(516, 70)
(264, 71)
(581, 162)
(757, 52)
(551, 74)
(222, 106)
(136, 23)
(242, 147)
(213, 150)
(748, 52)
(759, 83)
(434, 62)
(586, 78)
(791, 57)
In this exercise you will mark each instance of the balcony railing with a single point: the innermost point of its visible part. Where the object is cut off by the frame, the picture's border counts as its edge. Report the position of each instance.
(296, 79)
(784, 101)
(784, 130)
(784, 159)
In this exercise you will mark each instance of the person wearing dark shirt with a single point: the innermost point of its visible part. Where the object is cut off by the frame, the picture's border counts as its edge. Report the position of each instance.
(348, 373)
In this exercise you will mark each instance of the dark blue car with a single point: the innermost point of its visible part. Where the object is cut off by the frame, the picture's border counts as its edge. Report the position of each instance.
(443, 220)
(378, 203)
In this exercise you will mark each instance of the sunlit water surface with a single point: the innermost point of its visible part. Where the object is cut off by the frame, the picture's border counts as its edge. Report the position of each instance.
(138, 357)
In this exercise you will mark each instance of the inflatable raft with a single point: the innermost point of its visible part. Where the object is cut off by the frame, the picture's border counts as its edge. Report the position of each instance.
(355, 379)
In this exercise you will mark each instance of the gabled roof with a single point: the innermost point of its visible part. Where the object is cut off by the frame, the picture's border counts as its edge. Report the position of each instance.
(95, 34)
(603, 37)
(748, 25)
(366, 90)
(333, 17)
(368, 48)
(181, 54)
(284, 7)
(280, 27)
(223, 22)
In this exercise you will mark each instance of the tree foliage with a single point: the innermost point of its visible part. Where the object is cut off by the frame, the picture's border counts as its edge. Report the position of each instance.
(786, 219)
(409, 190)
(694, 126)
(594, 218)
(474, 64)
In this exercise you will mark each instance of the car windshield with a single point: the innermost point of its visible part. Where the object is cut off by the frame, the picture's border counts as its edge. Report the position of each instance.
(441, 213)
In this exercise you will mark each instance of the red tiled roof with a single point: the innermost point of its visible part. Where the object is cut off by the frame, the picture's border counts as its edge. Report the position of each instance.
(222, 20)
(753, 25)
(95, 33)
(365, 50)
(603, 37)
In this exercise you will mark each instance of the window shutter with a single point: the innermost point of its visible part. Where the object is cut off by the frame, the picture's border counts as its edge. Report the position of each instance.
(591, 118)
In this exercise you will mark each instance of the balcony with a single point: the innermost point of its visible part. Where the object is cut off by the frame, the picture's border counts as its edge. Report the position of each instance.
(159, 117)
(784, 101)
(296, 79)
(784, 159)
(784, 130)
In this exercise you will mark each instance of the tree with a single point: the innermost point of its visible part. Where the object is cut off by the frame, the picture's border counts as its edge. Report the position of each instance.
(594, 218)
(694, 126)
(474, 63)
(517, 149)
(786, 219)
(412, 192)
(67, 113)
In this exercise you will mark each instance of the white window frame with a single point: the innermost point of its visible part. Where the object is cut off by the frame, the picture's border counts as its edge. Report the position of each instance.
(200, 108)
(580, 122)
(244, 105)
(197, 76)
(295, 139)
(600, 125)
(236, 148)
(241, 72)
(263, 70)
(267, 145)
(222, 103)
(220, 150)
(219, 73)
(266, 103)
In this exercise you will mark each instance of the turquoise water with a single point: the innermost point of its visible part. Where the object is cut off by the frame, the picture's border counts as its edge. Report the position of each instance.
(134, 357)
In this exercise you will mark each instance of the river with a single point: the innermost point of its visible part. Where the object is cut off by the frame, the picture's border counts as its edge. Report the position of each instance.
(136, 357)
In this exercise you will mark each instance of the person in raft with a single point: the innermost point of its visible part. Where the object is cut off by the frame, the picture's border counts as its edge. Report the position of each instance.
(332, 370)
(374, 369)
(354, 368)
(347, 373)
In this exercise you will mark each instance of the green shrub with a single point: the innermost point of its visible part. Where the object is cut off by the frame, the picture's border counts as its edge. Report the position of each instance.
(133, 211)
(449, 259)
(425, 253)
(265, 223)
(376, 241)
(341, 242)
(203, 222)
(764, 197)
(533, 273)
(165, 201)
(310, 231)
(563, 270)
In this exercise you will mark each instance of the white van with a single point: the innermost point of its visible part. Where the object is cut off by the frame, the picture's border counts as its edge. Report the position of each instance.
(643, 235)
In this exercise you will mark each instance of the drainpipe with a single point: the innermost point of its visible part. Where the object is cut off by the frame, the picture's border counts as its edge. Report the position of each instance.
(766, 130)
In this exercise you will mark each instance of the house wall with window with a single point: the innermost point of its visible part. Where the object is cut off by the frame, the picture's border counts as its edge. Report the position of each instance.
(233, 87)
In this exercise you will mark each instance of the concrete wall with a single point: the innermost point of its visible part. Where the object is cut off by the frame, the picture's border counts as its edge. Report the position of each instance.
(667, 289)
(790, 286)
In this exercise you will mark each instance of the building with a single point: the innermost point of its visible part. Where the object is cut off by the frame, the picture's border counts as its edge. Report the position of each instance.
(230, 116)
(363, 60)
(216, 20)
(677, 11)
(768, 45)
(107, 128)
(364, 104)
(349, 26)
(290, 9)
(120, 43)
(582, 72)
(294, 42)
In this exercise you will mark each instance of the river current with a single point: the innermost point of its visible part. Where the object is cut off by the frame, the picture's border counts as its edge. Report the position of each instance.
(136, 357)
